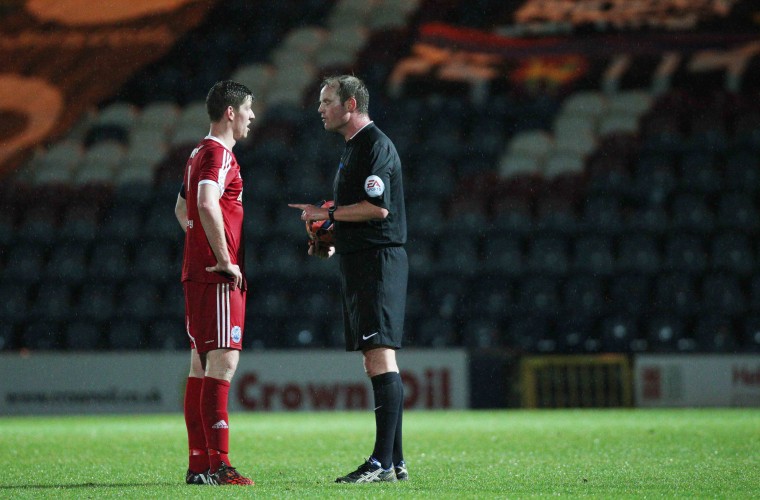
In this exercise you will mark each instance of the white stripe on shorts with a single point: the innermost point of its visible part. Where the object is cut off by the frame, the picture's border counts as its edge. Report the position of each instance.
(223, 315)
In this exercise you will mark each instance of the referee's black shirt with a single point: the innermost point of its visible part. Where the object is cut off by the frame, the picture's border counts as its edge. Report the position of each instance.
(370, 169)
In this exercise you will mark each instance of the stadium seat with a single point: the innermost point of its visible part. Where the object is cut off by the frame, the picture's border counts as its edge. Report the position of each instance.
(445, 293)
(602, 215)
(593, 255)
(53, 302)
(750, 334)
(303, 332)
(481, 333)
(138, 301)
(529, 334)
(574, 334)
(14, 300)
(125, 334)
(503, 255)
(638, 253)
(7, 336)
(653, 185)
(27, 259)
(685, 253)
(39, 225)
(618, 333)
(167, 334)
(732, 252)
(548, 256)
(714, 333)
(630, 293)
(652, 221)
(421, 254)
(737, 211)
(434, 331)
(538, 295)
(488, 296)
(109, 262)
(41, 335)
(583, 295)
(722, 293)
(83, 336)
(690, 213)
(67, 264)
(663, 333)
(97, 302)
(457, 255)
(676, 293)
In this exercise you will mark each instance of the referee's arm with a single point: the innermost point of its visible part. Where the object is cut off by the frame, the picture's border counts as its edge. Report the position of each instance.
(359, 212)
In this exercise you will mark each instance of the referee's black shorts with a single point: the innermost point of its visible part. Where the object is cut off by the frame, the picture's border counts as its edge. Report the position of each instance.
(374, 297)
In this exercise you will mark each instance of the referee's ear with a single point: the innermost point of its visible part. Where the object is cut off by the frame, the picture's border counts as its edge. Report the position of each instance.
(351, 104)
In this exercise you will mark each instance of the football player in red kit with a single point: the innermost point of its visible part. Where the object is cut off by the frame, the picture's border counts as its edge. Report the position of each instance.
(210, 210)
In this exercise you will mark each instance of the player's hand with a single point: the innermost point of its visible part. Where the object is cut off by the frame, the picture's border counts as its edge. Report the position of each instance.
(230, 270)
(321, 250)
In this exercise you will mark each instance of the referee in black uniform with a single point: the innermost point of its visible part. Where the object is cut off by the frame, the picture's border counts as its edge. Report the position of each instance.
(370, 232)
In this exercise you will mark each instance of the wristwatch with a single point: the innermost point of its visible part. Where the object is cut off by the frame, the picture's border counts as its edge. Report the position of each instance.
(331, 213)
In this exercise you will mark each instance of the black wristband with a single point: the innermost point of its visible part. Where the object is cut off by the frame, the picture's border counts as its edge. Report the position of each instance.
(331, 213)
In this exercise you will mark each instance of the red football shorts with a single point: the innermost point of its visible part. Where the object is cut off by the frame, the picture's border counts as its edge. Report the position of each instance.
(214, 316)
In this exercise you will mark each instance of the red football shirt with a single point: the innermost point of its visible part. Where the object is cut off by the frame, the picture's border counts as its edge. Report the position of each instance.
(211, 162)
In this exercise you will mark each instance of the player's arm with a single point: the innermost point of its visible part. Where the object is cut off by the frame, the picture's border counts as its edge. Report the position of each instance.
(212, 221)
(180, 211)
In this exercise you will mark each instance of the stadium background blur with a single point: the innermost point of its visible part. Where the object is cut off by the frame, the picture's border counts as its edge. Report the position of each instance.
(580, 180)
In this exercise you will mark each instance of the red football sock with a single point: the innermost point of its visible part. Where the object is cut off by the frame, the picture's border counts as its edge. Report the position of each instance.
(196, 438)
(216, 420)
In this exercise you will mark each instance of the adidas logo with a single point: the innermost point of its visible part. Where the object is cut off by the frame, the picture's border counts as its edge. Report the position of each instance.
(220, 425)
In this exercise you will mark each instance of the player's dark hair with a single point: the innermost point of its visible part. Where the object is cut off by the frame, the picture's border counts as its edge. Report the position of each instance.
(349, 86)
(223, 94)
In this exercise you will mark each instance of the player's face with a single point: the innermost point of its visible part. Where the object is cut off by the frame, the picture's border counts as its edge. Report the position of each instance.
(334, 114)
(243, 118)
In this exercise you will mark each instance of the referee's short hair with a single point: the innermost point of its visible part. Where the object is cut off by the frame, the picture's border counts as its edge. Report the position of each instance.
(223, 94)
(349, 86)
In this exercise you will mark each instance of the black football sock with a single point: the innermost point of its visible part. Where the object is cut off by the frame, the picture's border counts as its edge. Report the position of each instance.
(398, 450)
(388, 392)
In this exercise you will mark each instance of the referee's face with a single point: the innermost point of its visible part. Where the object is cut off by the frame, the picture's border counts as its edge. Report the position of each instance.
(334, 114)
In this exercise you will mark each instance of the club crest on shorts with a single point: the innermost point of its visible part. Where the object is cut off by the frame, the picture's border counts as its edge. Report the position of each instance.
(374, 186)
(236, 334)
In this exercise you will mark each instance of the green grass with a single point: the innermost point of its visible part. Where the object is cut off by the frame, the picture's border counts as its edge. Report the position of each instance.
(504, 454)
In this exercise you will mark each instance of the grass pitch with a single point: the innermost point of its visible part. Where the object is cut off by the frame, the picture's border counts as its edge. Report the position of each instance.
(455, 454)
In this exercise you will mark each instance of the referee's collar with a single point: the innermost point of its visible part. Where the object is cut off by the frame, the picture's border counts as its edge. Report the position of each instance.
(357, 132)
